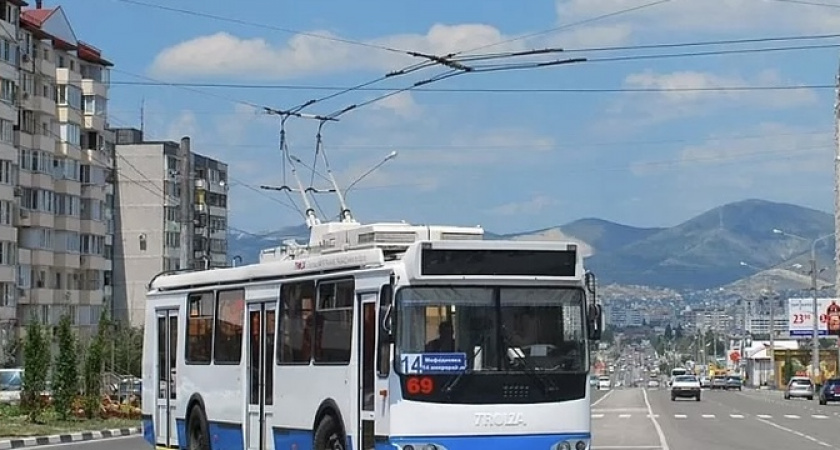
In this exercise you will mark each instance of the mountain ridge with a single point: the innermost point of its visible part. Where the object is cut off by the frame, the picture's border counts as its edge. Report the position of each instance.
(703, 252)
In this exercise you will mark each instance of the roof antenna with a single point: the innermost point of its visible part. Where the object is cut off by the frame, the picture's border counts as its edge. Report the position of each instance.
(345, 216)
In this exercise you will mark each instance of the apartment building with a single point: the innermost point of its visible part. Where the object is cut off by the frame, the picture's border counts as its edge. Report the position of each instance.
(54, 96)
(173, 215)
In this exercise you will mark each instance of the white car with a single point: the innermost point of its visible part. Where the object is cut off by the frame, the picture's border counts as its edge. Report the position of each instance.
(604, 383)
(685, 386)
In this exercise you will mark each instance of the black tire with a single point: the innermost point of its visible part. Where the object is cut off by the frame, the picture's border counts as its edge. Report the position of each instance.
(198, 436)
(673, 399)
(697, 398)
(823, 402)
(329, 436)
(811, 397)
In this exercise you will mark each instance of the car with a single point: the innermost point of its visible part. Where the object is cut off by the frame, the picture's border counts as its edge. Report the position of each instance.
(718, 382)
(830, 391)
(685, 386)
(604, 383)
(705, 382)
(733, 382)
(653, 384)
(593, 381)
(800, 387)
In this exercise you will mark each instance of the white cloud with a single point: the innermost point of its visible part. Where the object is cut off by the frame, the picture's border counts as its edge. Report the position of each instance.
(184, 124)
(535, 205)
(718, 16)
(401, 104)
(741, 159)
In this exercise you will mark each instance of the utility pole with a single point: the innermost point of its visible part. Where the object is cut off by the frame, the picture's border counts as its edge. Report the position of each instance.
(186, 204)
(815, 350)
(772, 299)
(837, 196)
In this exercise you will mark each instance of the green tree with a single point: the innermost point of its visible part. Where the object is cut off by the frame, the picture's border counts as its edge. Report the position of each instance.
(65, 372)
(36, 367)
(669, 333)
(93, 368)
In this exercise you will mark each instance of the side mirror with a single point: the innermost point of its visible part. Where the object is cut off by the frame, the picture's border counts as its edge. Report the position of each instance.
(589, 281)
(595, 320)
(386, 300)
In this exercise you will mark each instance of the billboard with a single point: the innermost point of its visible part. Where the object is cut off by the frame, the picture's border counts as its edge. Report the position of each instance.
(801, 316)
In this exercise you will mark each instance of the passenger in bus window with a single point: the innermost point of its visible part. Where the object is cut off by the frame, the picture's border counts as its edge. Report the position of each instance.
(445, 341)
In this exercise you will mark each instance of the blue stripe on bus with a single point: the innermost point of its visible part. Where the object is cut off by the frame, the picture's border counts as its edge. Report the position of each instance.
(223, 435)
(149, 431)
(507, 442)
(286, 438)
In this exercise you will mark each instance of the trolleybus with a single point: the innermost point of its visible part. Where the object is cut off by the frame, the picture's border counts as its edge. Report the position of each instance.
(383, 336)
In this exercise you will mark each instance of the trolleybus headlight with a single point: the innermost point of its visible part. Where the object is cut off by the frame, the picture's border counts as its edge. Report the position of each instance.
(580, 445)
(430, 447)
(564, 446)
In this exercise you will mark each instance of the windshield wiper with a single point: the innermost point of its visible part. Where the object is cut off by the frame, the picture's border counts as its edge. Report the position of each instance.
(450, 386)
(546, 383)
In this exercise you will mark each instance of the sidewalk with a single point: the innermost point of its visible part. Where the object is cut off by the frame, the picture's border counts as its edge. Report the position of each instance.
(79, 436)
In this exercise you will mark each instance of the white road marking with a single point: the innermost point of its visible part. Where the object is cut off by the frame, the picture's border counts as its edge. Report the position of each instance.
(680, 416)
(708, 416)
(597, 416)
(819, 416)
(736, 416)
(601, 399)
(791, 416)
(624, 416)
(663, 443)
(798, 433)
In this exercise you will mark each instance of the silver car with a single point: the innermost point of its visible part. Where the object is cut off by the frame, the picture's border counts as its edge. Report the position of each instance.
(800, 387)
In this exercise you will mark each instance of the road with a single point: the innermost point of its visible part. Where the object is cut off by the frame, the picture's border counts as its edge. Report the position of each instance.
(641, 419)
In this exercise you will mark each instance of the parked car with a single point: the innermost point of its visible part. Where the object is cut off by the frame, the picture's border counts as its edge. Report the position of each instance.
(830, 391)
(685, 386)
(705, 383)
(800, 387)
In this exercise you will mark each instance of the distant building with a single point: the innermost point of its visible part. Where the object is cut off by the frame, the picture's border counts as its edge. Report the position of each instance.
(155, 231)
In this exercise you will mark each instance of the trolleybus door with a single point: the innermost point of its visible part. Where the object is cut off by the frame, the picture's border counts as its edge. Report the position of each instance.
(167, 344)
(260, 374)
(367, 366)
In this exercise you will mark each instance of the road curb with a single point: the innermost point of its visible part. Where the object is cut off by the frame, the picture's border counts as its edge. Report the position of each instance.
(80, 436)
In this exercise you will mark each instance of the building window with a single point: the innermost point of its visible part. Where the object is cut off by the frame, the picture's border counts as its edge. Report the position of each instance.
(71, 133)
(172, 239)
(6, 212)
(7, 131)
(69, 95)
(8, 51)
(8, 253)
(8, 172)
(8, 88)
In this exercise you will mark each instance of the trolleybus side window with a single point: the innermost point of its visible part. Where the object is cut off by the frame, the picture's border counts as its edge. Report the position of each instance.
(334, 322)
(296, 323)
(385, 298)
(230, 321)
(200, 328)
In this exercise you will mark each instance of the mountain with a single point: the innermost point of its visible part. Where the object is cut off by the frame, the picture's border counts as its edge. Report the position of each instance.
(703, 252)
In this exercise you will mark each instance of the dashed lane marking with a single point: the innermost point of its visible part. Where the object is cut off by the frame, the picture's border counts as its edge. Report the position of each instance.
(708, 416)
(791, 416)
(736, 416)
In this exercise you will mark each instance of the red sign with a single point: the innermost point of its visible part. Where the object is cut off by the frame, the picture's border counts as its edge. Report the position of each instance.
(735, 356)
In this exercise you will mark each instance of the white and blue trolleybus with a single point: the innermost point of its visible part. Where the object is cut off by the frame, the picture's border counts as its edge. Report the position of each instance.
(382, 336)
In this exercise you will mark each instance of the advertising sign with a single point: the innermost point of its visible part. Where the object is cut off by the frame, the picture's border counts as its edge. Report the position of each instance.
(801, 316)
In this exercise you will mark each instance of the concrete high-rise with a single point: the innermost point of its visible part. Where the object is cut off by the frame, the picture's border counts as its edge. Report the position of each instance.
(56, 170)
(173, 215)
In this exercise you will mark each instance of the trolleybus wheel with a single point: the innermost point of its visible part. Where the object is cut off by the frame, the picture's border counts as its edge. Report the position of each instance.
(328, 436)
(197, 436)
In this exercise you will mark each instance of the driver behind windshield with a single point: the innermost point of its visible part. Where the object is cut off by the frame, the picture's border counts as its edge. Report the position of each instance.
(445, 341)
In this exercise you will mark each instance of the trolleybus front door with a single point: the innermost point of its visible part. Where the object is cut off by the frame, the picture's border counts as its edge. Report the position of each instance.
(367, 366)
(167, 341)
(260, 375)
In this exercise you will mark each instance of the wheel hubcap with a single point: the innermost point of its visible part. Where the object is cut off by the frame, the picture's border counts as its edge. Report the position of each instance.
(334, 442)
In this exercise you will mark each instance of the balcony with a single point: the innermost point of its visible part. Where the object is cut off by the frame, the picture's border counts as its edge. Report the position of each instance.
(94, 87)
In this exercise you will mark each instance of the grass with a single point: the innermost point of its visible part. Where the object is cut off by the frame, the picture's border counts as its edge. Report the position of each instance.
(14, 424)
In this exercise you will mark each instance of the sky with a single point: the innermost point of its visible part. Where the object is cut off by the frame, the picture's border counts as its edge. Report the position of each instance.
(510, 150)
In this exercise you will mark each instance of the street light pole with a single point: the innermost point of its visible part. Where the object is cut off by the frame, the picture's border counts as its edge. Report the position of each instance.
(815, 320)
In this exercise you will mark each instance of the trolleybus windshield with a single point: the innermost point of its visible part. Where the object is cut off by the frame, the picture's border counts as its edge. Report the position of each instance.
(448, 332)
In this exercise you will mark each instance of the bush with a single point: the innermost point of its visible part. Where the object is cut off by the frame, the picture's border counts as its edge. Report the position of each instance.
(36, 367)
(93, 369)
(66, 372)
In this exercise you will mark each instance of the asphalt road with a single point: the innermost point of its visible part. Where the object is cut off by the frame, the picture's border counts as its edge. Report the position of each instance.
(749, 420)
(641, 419)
